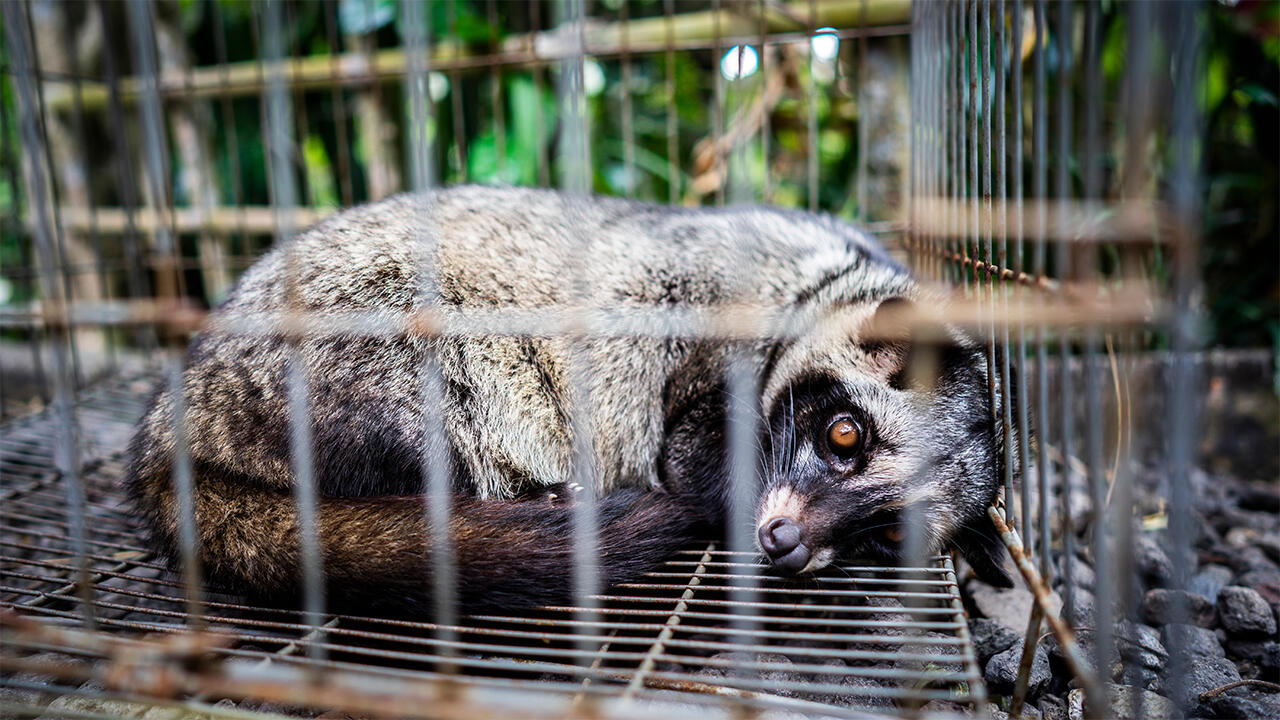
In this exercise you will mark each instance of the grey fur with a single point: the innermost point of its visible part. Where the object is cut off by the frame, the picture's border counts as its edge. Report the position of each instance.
(507, 400)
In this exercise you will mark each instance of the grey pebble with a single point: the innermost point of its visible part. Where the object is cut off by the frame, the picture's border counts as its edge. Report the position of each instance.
(1240, 703)
(1263, 653)
(1002, 671)
(990, 637)
(1140, 644)
(1081, 611)
(1158, 607)
(1028, 711)
(1192, 640)
(1081, 573)
(1204, 674)
(1243, 611)
(1210, 581)
(1125, 704)
(1152, 561)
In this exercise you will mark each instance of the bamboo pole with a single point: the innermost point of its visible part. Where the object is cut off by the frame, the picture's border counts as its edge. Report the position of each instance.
(693, 29)
(67, 181)
(252, 220)
(196, 174)
(375, 132)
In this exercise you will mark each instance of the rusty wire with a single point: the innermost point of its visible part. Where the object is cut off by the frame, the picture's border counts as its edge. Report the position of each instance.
(983, 218)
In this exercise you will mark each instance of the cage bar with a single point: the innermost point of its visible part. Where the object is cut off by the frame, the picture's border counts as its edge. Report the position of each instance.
(994, 213)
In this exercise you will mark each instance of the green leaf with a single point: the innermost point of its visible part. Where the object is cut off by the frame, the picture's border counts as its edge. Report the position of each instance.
(524, 143)
(1258, 94)
(319, 172)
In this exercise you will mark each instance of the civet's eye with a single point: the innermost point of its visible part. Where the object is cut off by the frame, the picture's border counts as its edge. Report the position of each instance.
(844, 437)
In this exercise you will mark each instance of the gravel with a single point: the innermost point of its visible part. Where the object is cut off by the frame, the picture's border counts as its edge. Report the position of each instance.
(1159, 607)
(1010, 607)
(1193, 640)
(1029, 712)
(1177, 644)
(1246, 703)
(1244, 612)
(990, 637)
(1080, 612)
(1201, 676)
(1140, 644)
(1151, 561)
(1002, 671)
(1210, 581)
(1265, 654)
(1081, 573)
(1126, 704)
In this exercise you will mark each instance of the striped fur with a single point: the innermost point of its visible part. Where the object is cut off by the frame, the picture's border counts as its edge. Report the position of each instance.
(656, 413)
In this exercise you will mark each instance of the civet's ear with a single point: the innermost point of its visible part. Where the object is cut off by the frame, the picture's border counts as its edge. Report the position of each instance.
(980, 545)
(910, 355)
(890, 325)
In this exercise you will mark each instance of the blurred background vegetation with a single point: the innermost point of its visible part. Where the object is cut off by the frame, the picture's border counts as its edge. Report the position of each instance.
(649, 139)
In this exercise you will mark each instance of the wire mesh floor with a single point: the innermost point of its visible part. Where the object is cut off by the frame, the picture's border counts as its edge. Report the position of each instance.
(852, 640)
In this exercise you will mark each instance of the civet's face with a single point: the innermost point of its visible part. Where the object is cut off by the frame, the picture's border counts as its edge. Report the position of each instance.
(869, 430)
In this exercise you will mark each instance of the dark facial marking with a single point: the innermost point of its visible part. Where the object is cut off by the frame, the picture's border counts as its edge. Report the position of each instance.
(818, 410)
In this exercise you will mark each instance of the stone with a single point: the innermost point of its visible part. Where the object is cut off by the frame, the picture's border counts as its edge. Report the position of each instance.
(862, 700)
(778, 671)
(1263, 653)
(74, 706)
(1241, 519)
(1270, 545)
(1081, 574)
(1158, 608)
(1258, 577)
(1240, 537)
(1270, 591)
(1140, 644)
(1081, 612)
(1002, 671)
(1009, 607)
(1239, 703)
(1210, 581)
(1138, 654)
(1205, 674)
(1244, 612)
(1028, 711)
(1079, 505)
(1128, 703)
(838, 670)
(1125, 704)
(990, 637)
(725, 662)
(1152, 561)
(21, 697)
(1053, 708)
(1253, 560)
(1191, 640)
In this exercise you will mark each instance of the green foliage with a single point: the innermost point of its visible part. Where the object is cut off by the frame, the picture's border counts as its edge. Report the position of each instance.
(1238, 93)
(1241, 248)
(319, 172)
(11, 234)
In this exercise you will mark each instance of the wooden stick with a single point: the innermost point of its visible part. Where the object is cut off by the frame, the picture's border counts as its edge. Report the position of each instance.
(354, 68)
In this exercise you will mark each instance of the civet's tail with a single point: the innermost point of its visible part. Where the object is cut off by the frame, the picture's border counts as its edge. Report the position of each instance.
(376, 550)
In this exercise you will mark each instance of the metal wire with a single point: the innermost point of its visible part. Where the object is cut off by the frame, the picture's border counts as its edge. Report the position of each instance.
(676, 617)
(709, 625)
(1065, 65)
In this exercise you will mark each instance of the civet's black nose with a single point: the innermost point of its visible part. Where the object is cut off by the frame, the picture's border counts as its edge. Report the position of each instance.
(780, 539)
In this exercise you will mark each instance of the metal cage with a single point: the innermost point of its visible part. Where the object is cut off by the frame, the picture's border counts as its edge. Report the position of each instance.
(1070, 250)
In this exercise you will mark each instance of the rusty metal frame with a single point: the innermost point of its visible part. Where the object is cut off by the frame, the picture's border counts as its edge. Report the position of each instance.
(981, 220)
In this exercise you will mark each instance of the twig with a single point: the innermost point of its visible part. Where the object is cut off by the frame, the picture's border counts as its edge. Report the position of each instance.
(1210, 694)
